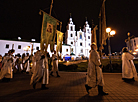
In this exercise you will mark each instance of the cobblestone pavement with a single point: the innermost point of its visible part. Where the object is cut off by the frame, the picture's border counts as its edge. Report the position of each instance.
(70, 87)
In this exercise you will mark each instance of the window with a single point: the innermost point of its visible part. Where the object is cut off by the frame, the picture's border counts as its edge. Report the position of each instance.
(80, 44)
(89, 44)
(81, 50)
(37, 48)
(71, 42)
(71, 28)
(135, 43)
(7, 45)
(80, 35)
(88, 30)
(19, 46)
(88, 37)
(71, 49)
(66, 50)
(71, 35)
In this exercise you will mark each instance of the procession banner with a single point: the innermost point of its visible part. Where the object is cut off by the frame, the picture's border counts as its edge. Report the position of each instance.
(48, 33)
(102, 25)
(59, 41)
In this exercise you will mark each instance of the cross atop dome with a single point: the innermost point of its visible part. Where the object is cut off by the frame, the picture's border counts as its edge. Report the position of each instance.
(70, 19)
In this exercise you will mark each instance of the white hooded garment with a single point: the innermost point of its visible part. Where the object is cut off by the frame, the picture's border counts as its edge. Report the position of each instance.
(128, 67)
(94, 72)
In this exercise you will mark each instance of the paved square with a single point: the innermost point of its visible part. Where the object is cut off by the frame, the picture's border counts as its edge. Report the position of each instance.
(70, 87)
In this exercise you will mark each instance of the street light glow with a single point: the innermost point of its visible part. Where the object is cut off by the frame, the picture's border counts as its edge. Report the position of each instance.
(108, 30)
(134, 53)
(136, 50)
(112, 32)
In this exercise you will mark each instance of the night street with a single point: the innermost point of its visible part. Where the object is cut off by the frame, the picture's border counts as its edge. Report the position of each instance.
(70, 87)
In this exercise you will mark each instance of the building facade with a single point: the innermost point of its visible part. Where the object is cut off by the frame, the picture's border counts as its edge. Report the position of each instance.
(80, 41)
(132, 45)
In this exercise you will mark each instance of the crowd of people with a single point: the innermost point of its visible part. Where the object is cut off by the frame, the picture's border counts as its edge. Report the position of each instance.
(39, 66)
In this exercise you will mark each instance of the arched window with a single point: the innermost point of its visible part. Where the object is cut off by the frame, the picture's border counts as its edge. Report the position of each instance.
(134, 43)
(71, 28)
(71, 35)
(80, 35)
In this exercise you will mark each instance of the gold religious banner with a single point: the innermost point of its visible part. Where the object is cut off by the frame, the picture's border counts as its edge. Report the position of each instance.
(48, 33)
(59, 40)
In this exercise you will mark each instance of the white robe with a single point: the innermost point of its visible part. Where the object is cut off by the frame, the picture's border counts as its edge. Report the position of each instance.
(128, 67)
(94, 72)
(6, 70)
(40, 69)
(55, 63)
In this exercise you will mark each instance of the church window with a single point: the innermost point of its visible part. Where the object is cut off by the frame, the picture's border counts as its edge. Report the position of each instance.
(7, 45)
(71, 28)
(37, 48)
(71, 49)
(80, 44)
(81, 50)
(66, 50)
(80, 35)
(89, 44)
(88, 37)
(71, 35)
(88, 30)
(71, 42)
(134, 42)
(19, 46)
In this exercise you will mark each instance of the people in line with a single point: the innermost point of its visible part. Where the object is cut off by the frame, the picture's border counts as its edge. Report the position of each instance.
(94, 72)
(6, 72)
(129, 72)
(40, 72)
(55, 64)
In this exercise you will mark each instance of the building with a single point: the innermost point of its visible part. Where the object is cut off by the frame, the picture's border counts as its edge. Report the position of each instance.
(76, 43)
(80, 41)
(21, 47)
(132, 45)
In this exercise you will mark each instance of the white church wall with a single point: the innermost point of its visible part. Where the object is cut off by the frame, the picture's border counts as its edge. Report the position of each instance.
(23, 44)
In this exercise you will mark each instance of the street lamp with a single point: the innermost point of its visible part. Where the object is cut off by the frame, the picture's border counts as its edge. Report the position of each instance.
(33, 40)
(110, 34)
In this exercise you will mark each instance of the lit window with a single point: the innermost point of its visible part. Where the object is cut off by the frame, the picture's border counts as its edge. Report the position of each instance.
(71, 42)
(71, 49)
(66, 50)
(80, 35)
(19, 46)
(7, 45)
(37, 48)
(88, 37)
(80, 44)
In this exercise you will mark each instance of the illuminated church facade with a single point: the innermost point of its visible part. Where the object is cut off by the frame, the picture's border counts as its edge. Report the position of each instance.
(80, 41)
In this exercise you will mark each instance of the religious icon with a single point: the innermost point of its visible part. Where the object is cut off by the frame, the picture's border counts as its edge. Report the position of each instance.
(49, 27)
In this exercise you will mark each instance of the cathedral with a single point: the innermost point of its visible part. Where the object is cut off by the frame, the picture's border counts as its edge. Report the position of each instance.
(80, 41)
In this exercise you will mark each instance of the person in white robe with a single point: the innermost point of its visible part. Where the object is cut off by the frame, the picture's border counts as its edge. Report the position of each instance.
(94, 72)
(27, 63)
(128, 68)
(40, 70)
(55, 64)
(6, 71)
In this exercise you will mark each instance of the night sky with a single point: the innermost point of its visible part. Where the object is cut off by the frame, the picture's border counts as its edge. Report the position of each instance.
(21, 17)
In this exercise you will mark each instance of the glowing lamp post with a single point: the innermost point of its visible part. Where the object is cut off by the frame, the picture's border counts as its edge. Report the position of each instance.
(110, 34)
